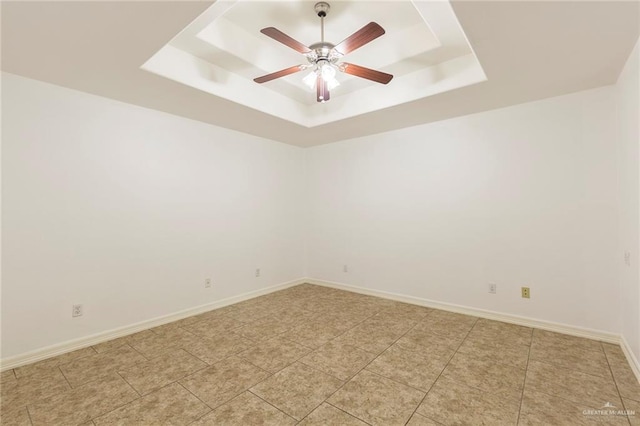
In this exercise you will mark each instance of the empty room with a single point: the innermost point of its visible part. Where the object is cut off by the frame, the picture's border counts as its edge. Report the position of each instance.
(240, 212)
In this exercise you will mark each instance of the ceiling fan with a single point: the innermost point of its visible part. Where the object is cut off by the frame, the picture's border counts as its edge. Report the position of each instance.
(324, 57)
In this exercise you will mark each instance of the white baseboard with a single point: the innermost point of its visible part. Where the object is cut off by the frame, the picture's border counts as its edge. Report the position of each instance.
(72, 345)
(571, 330)
(633, 361)
(497, 316)
(94, 339)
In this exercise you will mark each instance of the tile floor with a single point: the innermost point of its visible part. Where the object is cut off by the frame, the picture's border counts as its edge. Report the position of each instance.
(311, 355)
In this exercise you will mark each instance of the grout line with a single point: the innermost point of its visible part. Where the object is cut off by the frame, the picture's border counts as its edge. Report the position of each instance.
(199, 359)
(130, 385)
(130, 402)
(137, 351)
(615, 383)
(264, 400)
(443, 368)
(65, 377)
(524, 383)
(196, 396)
(197, 419)
(376, 312)
(562, 367)
(347, 413)
(26, 407)
(376, 357)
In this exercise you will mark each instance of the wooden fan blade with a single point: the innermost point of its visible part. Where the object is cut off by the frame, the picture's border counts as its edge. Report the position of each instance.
(278, 35)
(322, 91)
(368, 73)
(278, 74)
(364, 35)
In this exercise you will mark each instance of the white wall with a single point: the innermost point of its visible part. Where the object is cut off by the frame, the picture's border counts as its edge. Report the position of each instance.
(628, 126)
(127, 211)
(521, 196)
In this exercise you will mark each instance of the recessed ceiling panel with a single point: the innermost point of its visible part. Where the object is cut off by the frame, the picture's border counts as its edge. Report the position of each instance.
(223, 50)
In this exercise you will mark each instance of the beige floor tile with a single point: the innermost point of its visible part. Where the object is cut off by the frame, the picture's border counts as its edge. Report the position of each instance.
(396, 324)
(83, 403)
(210, 315)
(342, 361)
(173, 326)
(418, 420)
(314, 333)
(447, 323)
(484, 373)
(377, 400)
(94, 367)
(510, 354)
(372, 335)
(344, 320)
(297, 390)
(245, 410)
(627, 383)
(502, 331)
(549, 338)
(543, 409)
(450, 402)
(432, 344)
(571, 356)
(633, 411)
(614, 354)
(171, 405)
(263, 329)
(7, 377)
(28, 389)
(159, 344)
(211, 327)
(413, 368)
(327, 414)
(15, 417)
(224, 381)
(47, 364)
(293, 315)
(406, 311)
(121, 341)
(314, 339)
(320, 303)
(275, 354)
(351, 313)
(248, 314)
(148, 376)
(217, 348)
(578, 387)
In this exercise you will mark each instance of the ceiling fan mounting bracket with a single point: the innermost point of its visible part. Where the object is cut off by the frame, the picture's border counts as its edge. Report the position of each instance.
(322, 8)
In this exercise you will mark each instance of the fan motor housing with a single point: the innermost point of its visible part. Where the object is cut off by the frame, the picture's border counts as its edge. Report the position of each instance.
(322, 48)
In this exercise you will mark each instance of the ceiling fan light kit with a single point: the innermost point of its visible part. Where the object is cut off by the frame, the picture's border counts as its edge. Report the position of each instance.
(323, 57)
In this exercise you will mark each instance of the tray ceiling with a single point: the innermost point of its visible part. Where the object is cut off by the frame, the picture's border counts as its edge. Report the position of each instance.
(528, 50)
(222, 50)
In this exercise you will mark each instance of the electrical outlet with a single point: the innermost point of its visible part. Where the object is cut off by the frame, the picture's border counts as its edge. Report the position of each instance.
(76, 311)
(345, 268)
(207, 283)
(526, 292)
(492, 288)
(257, 272)
(627, 258)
